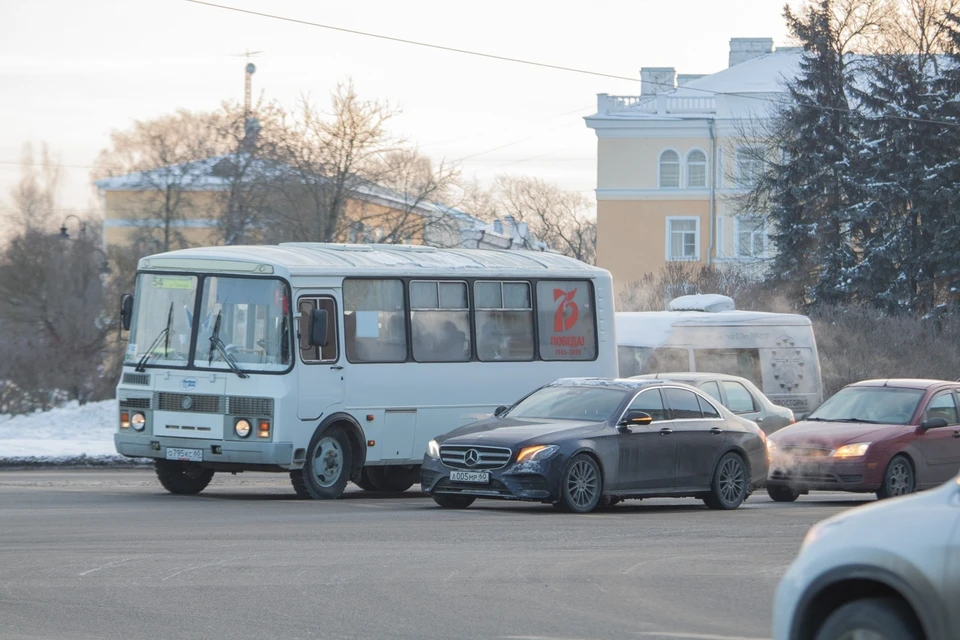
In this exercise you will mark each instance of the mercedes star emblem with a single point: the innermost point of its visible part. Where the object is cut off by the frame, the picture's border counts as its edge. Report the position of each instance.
(471, 457)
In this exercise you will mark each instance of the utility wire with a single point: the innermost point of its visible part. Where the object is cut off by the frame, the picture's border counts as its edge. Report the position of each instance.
(556, 67)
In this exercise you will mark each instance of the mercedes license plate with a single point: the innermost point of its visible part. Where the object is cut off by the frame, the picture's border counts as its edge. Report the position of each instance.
(480, 477)
(190, 455)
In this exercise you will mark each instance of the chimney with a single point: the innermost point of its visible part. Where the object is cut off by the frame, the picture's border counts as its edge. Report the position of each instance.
(743, 49)
(686, 78)
(656, 80)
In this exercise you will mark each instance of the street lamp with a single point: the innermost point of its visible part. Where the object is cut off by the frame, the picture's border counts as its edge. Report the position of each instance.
(64, 235)
(63, 227)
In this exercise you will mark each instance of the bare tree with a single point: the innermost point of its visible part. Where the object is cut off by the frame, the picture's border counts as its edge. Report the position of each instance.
(341, 176)
(52, 303)
(163, 160)
(559, 218)
(34, 198)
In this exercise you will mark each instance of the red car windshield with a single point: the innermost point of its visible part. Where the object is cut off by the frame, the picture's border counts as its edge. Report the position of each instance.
(880, 405)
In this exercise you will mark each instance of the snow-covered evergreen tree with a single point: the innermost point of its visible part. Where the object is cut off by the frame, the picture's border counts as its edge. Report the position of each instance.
(809, 195)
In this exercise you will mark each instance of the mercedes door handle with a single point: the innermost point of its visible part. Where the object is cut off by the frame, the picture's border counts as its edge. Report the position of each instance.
(716, 430)
(666, 431)
(956, 434)
(759, 419)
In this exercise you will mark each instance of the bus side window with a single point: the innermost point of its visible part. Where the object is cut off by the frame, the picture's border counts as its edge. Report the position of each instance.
(735, 362)
(310, 353)
(374, 321)
(504, 321)
(440, 321)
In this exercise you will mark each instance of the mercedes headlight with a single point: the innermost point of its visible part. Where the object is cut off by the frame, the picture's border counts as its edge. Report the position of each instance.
(433, 449)
(138, 421)
(852, 450)
(242, 428)
(537, 453)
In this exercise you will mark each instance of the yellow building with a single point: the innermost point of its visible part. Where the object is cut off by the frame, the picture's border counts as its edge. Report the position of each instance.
(671, 161)
(184, 206)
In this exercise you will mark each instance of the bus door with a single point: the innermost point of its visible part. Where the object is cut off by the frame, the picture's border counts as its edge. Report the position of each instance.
(320, 369)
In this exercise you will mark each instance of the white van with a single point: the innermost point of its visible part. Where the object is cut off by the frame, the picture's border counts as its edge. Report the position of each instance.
(776, 351)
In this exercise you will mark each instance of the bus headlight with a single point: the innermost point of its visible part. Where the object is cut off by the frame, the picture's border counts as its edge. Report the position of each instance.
(242, 428)
(433, 449)
(138, 421)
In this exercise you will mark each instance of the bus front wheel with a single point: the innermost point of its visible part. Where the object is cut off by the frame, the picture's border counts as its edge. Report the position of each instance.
(182, 477)
(327, 469)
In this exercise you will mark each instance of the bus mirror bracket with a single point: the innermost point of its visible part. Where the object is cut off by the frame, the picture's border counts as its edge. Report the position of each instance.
(318, 327)
(126, 311)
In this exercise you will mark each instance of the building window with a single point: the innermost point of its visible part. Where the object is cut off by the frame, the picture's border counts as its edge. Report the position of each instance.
(696, 170)
(751, 237)
(669, 169)
(683, 238)
(749, 166)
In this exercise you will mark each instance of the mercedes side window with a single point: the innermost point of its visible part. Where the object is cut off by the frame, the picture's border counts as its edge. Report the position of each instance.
(708, 410)
(683, 404)
(651, 402)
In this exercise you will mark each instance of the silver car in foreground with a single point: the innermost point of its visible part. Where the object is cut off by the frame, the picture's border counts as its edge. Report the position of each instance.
(887, 571)
(737, 394)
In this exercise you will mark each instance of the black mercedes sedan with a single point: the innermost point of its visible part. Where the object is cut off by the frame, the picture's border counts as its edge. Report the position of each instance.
(582, 442)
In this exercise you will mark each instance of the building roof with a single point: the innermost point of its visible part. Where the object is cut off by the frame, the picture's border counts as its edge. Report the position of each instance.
(764, 74)
(206, 175)
(304, 258)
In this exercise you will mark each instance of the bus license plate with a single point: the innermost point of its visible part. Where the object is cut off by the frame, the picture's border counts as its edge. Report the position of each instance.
(480, 477)
(190, 455)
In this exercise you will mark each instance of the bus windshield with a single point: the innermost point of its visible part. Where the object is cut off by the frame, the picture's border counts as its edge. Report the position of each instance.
(248, 317)
(161, 322)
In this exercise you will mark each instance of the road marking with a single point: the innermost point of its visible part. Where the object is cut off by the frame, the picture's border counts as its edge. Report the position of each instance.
(538, 638)
(109, 564)
(694, 636)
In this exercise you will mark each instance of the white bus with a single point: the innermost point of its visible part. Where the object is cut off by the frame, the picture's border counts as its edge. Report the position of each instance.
(341, 362)
(775, 351)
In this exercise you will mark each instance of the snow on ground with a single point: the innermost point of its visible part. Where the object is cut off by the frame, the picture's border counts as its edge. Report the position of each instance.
(71, 434)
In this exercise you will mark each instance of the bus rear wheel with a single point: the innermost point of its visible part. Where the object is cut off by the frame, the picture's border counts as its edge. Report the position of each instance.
(327, 469)
(393, 479)
(182, 478)
(364, 481)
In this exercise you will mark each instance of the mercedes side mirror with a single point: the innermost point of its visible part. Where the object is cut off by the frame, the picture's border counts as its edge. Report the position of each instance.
(634, 419)
(499, 411)
(126, 311)
(318, 328)
(933, 423)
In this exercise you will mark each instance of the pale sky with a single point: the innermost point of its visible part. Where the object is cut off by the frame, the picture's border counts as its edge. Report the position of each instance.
(70, 72)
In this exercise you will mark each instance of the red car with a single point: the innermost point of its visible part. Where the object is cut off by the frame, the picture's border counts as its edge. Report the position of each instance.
(891, 437)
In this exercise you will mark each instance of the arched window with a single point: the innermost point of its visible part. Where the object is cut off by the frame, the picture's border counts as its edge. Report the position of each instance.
(669, 170)
(696, 170)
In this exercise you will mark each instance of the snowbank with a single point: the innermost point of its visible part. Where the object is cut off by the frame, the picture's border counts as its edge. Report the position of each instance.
(71, 434)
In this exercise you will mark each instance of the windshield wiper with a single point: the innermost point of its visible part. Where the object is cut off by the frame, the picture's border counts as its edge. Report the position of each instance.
(864, 420)
(163, 335)
(217, 346)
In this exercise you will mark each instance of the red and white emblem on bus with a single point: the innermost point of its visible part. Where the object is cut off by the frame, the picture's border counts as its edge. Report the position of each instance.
(567, 311)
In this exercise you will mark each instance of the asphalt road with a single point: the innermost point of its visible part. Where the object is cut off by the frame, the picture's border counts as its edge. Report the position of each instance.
(109, 554)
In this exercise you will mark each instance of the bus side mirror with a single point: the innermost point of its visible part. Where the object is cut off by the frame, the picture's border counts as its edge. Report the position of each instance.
(499, 411)
(126, 311)
(318, 327)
